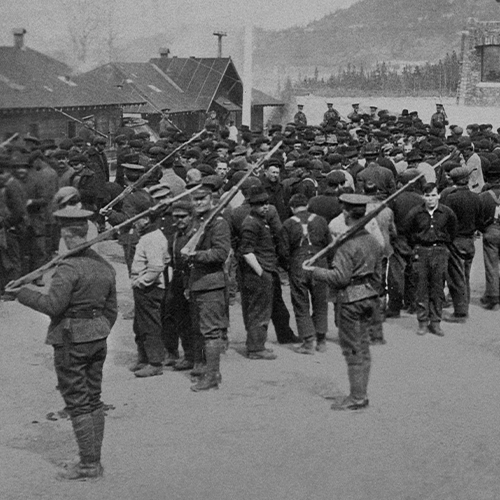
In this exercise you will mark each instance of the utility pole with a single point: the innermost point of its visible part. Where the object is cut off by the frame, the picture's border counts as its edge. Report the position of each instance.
(219, 35)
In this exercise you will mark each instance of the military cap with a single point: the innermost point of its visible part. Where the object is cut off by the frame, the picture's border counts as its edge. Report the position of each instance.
(300, 105)
(134, 166)
(156, 150)
(209, 184)
(473, 126)
(192, 153)
(77, 158)
(160, 191)
(78, 141)
(355, 104)
(355, 199)
(66, 144)
(373, 107)
(222, 145)
(73, 216)
(274, 162)
(130, 158)
(99, 140)
(65, 194)
(459, 173)
(257, 195)
(182, 206)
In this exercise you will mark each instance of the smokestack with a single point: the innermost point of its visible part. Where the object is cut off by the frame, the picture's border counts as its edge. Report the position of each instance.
(19, 37)
(164, 52)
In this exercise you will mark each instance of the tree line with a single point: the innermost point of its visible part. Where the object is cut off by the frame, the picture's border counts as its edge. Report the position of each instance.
(439, 78)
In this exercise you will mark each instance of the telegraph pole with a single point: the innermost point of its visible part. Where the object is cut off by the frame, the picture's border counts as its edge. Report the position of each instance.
(219, 35)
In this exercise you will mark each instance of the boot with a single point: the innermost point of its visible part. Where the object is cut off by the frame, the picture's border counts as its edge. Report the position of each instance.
(435, 328)
(98, 423)
(307, 347)
(422, 328)
(149, 371)
(89, 466)
(198, 370)
(321, 342)
(358, 380)
(210, 379)
(183, 364)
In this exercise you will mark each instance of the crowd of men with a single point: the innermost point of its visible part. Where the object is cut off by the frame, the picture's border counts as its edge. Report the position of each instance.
(291, 205)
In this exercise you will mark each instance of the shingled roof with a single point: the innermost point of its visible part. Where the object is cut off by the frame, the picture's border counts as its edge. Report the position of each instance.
(144, 81)
(30, 79)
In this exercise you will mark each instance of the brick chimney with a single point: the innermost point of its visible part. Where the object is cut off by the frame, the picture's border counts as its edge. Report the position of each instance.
(19, 37)
(164, 52)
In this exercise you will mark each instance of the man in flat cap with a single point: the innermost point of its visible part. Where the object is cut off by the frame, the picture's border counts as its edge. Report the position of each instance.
(469, 211)
(81, 303)
(207, 282)
(355, 274)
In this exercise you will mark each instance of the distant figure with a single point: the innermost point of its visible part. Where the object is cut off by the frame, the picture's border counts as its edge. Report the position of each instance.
(355, 111)
(300, 118)
(331, 116)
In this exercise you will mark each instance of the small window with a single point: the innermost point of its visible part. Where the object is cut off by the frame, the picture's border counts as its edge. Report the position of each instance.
(71, 129)
(490, 63)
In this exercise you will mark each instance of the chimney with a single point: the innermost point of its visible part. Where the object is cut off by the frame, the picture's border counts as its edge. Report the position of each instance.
(19, 37)
(164, 52)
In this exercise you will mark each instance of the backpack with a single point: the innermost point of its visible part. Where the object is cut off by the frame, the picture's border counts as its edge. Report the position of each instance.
(305, 242)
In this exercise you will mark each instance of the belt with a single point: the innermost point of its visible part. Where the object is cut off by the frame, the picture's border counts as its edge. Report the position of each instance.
(84, 313)
(430, 245)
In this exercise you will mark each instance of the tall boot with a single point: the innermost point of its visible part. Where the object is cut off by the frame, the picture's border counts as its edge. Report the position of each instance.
(199, 368)
(98, 422)
(358, 377)
(211, 377)
(366, 375)
(89, 466)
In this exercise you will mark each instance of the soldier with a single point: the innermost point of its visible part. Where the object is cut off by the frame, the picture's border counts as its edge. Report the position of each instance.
(303, 235)
(354, 114)
(439, 120)
(355, 274)
(300, 119)
(382, 177)
(331, 116)
(81, 303)
(430, 228)
(207, 283)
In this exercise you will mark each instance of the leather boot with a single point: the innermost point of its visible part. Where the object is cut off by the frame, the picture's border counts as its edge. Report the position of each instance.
(89, 466)
(435, 328)
(211, 378)
(356, 375)
(98, 422)
(198, 370)
(366, 375)
(307, 347)
(422, 328)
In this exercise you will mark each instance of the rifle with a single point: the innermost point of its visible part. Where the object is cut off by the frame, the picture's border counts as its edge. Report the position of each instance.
(106, 235)
(139, 182)
(81, 123)
(361, 223)
(190, 247)
(9, 140)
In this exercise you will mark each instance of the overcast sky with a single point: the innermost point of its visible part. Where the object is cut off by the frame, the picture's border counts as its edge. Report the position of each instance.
(43, 19)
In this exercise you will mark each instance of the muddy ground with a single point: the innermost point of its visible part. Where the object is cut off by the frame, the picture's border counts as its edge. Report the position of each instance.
(431, 432)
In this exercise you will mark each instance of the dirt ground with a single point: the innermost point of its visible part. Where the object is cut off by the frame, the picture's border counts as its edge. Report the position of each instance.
(431, 432)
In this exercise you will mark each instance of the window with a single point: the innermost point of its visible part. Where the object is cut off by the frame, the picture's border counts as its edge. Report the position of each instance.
(490, 63)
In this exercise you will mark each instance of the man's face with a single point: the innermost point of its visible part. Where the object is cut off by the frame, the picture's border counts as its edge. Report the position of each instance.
(202, 202)
(100, 147)
(221, 169)
(78, 167)
(261, 209)
(21, 173)
(297, 147)
(222, 152)
(431, 199)
(182, 219)
(273, 174)
(62, 165)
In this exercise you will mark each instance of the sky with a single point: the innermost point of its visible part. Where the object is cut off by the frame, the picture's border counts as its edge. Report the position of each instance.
(45, 19)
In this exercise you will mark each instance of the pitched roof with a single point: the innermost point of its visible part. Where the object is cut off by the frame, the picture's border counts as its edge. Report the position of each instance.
(199, 77)
(259, 98)
(30, 79)
(144, 81)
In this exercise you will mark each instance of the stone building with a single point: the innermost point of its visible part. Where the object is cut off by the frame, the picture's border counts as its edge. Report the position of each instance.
(480, 73)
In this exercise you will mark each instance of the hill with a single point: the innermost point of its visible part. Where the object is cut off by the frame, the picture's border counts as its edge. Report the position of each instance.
(370, 31)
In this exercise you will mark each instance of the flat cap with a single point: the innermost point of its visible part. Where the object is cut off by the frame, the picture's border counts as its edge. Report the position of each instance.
(160, 191)
(257, 195)
(133, 166)
(355, 199)
(459, 173)
(65, 194)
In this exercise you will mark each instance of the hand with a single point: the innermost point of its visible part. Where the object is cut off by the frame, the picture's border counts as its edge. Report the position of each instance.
(105, 212)
(308, 268)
